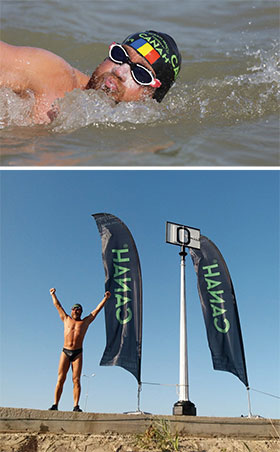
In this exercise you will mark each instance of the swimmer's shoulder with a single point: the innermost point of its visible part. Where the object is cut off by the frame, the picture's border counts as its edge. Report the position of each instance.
(11, 67)
(7, 54)
(38, 69)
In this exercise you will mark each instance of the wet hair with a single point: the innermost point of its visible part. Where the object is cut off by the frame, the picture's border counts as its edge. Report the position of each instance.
(161, 52)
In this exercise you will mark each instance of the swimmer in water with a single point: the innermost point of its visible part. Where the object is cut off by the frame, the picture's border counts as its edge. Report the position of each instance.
(146, 64)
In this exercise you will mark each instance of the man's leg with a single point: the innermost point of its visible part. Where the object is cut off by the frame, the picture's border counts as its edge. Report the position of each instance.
(77, 370)
(63, 368)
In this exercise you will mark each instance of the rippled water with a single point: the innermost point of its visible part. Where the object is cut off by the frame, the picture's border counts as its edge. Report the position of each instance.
(223, 109)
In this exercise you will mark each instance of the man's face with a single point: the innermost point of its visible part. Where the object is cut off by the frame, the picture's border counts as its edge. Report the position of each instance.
(116, 79)
(76, 313)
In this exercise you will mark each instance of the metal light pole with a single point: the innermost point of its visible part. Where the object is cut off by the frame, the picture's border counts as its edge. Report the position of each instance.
(184, 236)
(86, 398)
(183, 385)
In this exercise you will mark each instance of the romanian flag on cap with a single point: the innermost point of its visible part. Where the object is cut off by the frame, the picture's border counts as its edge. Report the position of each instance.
(145, 49)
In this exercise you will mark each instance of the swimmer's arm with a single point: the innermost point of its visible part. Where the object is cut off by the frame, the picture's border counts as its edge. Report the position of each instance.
(58, 306)
(90, 318)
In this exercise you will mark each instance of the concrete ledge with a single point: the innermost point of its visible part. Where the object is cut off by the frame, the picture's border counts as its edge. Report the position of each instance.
(39, 421)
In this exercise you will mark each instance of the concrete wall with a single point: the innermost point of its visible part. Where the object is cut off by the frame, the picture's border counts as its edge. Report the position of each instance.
(26, 420)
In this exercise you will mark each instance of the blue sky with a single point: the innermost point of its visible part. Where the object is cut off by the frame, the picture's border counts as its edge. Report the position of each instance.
(49, 239)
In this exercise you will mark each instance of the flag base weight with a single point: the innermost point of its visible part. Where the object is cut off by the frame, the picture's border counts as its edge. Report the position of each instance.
(184, 408)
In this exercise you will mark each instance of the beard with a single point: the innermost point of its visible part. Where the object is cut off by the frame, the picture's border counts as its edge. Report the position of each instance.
(107, 82)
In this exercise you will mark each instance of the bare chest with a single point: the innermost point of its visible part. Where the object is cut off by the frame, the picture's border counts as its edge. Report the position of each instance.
(75, 328)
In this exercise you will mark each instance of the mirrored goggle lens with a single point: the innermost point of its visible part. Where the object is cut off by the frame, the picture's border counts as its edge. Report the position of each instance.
(117, 54)
(141, 75)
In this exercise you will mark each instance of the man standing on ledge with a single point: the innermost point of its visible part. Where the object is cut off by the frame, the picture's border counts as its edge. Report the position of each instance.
(75, 329)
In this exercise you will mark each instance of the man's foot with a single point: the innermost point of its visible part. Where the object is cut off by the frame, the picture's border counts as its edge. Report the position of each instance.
(53, 407)
(77, 408)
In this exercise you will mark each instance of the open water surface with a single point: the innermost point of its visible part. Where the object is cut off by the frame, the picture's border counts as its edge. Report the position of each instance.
(223, 110)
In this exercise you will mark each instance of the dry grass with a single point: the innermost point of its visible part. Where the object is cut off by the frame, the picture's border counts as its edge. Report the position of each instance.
(159, 437)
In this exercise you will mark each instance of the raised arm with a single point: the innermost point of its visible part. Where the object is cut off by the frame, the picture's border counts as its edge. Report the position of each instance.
(98, 308)
(57, 304)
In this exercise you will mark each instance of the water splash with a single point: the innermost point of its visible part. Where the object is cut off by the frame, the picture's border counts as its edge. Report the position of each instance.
(15, 110)
(83, 108)
(235, 98)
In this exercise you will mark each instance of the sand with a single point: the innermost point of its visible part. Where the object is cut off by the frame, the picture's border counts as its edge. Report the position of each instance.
(27, 442)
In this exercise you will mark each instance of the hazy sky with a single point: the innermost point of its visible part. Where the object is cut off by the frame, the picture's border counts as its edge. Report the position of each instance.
(49, 239)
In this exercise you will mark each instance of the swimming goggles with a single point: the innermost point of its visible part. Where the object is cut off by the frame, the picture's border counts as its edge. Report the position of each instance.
(141, 74)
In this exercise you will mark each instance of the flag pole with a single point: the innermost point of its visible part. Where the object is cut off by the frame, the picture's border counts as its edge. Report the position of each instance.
(138, 397)
(184, 406)
(249, 402)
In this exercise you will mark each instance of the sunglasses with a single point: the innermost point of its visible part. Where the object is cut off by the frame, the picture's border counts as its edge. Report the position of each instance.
(140, 74)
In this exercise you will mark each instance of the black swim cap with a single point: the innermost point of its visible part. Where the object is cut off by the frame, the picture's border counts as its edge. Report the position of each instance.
(161, 51)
